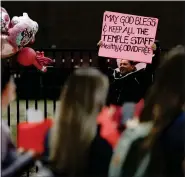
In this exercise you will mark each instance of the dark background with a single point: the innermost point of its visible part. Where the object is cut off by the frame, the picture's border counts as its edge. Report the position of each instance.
(70, 25)
(78, 24)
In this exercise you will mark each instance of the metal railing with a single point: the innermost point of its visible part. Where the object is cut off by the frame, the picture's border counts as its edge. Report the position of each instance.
(46, 86)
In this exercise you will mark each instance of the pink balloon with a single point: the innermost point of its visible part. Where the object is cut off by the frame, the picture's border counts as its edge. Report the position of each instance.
(22, 31)
(16, 34)
(5, 20)
(27, 56)
(7, 50)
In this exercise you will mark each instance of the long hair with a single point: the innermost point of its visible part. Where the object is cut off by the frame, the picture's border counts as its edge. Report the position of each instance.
(75, 126)
(167, 95)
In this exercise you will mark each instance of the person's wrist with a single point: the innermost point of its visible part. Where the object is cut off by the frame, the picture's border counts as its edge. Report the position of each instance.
(99, 43)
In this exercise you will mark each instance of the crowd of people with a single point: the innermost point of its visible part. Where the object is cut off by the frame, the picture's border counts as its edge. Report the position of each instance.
(74, 147)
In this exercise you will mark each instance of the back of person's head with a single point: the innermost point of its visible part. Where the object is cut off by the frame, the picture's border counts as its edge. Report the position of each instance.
(163, 106)
(7, 85)
(82, 98)
(167, 94)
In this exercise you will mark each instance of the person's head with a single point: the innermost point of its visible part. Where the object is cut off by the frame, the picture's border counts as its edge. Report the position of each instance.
(82, 99)
(125, 66)
(8, 88)
(167, 95)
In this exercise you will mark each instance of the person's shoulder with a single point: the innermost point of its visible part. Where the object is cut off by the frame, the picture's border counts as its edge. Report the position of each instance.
(99, 157)
(135, 73)
(182, 116)
(100, 144)
(130, 141)
(136, 130)
(179, 121)
(100, 148)
(175, 132)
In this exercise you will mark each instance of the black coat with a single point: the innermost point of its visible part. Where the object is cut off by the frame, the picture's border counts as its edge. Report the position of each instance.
(131, 87)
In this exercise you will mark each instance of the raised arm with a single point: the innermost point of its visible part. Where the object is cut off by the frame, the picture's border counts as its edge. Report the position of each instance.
(102, 62)
(151, 68)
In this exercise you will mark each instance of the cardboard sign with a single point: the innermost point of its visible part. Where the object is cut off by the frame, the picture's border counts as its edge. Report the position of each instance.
(32, 135)
(128, 37)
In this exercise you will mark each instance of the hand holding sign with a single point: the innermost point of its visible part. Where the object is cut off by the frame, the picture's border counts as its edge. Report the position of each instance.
(99, 43)
(128, 36)
(154, 47)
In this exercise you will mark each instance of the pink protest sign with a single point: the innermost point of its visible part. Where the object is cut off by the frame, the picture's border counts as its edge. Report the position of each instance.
(128, 36)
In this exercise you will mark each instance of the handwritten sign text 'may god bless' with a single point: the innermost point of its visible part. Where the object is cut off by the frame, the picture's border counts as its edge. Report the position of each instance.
(128, 37)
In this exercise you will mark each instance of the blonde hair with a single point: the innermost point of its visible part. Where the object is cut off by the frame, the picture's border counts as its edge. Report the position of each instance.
(81, 100)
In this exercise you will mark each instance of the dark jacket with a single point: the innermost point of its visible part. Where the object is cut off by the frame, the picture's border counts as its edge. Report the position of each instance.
(168, 153)
(100, 154)
(173, 145)
(132, 87)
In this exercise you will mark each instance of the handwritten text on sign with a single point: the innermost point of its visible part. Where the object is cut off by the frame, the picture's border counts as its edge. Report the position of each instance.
(128, 36)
